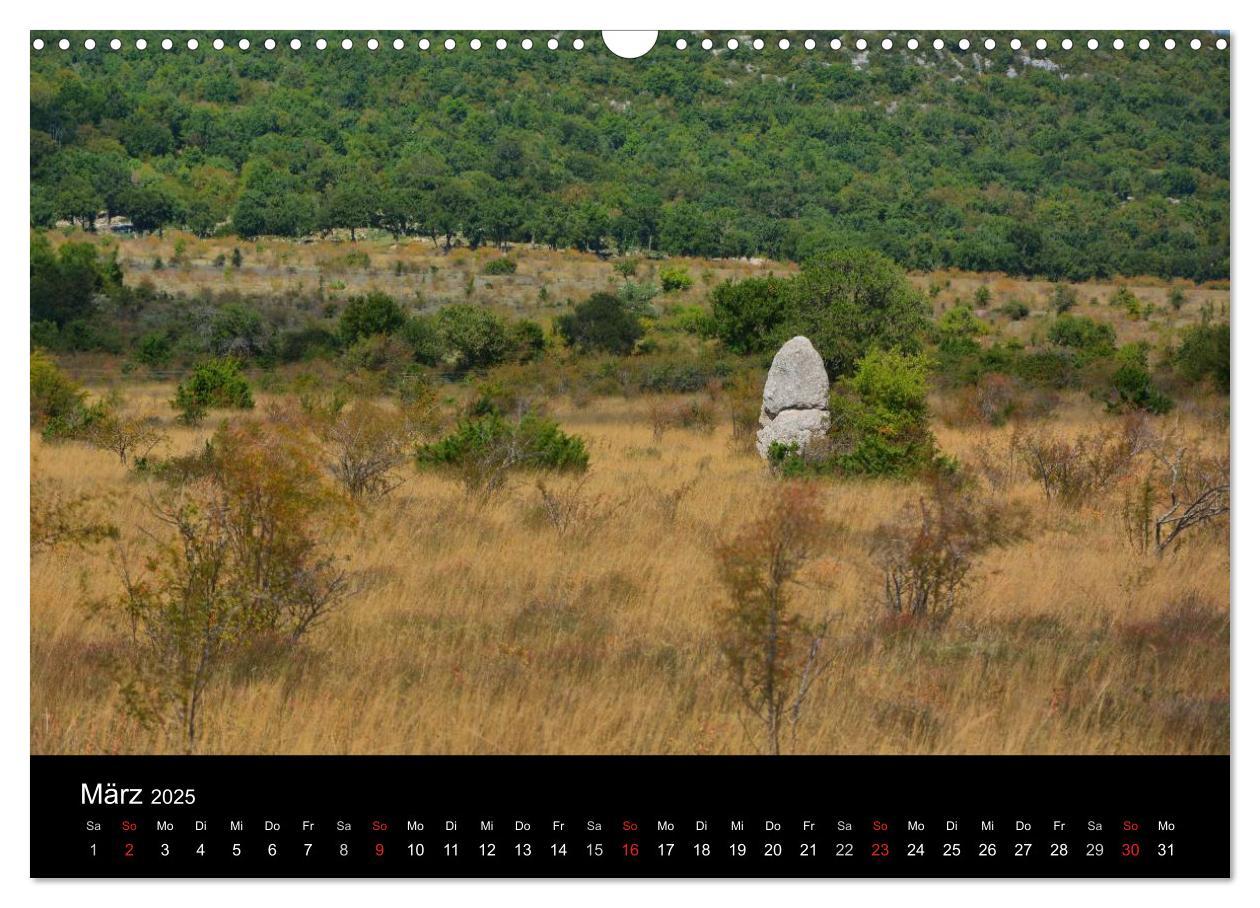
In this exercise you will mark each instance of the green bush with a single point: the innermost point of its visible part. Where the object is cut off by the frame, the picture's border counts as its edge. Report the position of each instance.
(154, 350)
(750, 316)
(882, 420)
(54, 395)
(486, 449)
(602, 323)
(1204, 353)
(1015, 310)
(363, 316)
(421, 334)
(674, 278)
(213, 384)
(1082, 334)
(502, 265)
(1132, 386)
(473, 337)
(1062, 298)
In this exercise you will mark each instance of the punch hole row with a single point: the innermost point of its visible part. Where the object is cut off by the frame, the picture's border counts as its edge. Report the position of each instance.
(450, 44)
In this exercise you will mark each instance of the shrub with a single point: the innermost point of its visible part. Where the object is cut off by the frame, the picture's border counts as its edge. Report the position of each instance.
(527, 340)
(365, 443)
(215, 383)
(484, 451)
(1063, 297)
(380, 353)
(959, 323)
(882, 422)
(1124, 298)
(1074, 471)
(927, 555)
(601, 323)
(982, 297)
(847, 302)
(1204, 353)
(772, 652)
(153, 350)
(244, 561)
(363, 316)
(637, 297)
(1082, 334)
(473, 337)
(421, 334)
(996, 398)
(627, 267)
(674, 278)
(1176, 298)
(851, 302)
(504, 265)
(750, 316)
(54, 395)
(1015, 310)
(1132, 387)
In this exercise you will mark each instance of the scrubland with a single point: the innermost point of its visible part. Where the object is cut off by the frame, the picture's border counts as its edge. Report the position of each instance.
(480, 627)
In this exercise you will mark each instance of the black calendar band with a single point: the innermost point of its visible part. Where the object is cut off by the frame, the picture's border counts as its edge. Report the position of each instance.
(628, 817)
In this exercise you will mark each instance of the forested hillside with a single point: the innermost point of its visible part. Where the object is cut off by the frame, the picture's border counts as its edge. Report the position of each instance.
(1062, 164)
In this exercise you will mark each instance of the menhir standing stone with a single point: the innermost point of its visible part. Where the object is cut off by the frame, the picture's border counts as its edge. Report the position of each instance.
(794, 402)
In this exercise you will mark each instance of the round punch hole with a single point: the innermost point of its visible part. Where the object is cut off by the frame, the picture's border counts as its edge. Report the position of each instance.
(758, 44)
(552, 44)
(295, 44)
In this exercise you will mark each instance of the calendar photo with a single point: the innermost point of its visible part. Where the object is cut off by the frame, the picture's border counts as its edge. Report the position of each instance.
(800, 394)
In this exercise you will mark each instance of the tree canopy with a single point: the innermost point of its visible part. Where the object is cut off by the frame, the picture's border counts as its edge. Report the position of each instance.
(1069, 164)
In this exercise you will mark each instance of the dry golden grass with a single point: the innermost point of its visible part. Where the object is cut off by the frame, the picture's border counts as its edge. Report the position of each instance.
(483, 631)
(411, 270)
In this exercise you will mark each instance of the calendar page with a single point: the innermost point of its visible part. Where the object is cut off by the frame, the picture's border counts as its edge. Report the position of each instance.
(657, 454)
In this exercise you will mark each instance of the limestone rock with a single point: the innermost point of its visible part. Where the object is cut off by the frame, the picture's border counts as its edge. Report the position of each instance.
(797, 379)
(794, 402)
(798, 427)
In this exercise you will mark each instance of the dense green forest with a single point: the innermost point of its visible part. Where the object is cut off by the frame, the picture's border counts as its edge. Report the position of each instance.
(1066, 164)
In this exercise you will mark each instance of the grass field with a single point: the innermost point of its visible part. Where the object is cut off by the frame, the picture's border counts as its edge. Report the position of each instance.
(481, 630)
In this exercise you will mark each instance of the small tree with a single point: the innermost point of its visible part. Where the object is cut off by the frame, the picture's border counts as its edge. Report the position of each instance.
(601, 323)
(244, 561)
(131, 438)
(773, 653)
